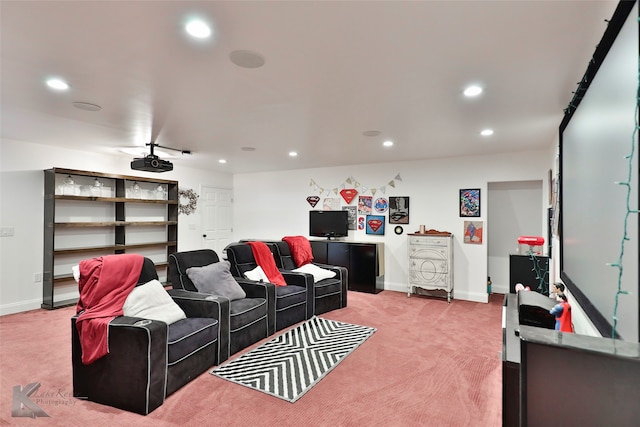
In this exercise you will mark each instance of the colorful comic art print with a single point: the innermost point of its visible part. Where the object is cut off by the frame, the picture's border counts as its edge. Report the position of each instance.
(364, 205)
(381, 205)
(375, 224)
(470, 202)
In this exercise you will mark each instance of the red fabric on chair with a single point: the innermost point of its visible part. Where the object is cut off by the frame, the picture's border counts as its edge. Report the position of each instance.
(104, 285)
(264, 258)
(300, 249)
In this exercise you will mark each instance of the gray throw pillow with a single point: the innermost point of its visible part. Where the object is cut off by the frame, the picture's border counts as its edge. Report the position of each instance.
(216, 279)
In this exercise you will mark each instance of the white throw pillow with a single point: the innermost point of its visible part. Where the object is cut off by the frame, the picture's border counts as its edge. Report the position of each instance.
(318, 273)
(151, 301)
(76, 273)
(257, 274)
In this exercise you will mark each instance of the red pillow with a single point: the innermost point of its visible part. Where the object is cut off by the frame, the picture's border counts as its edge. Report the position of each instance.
(300, 249)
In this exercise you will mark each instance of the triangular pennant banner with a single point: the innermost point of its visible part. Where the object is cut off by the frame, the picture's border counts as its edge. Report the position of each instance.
(392, 183)
(373, 191)
(397, 178)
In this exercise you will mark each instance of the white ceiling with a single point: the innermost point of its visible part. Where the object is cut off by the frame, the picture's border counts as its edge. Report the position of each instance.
(333, 70)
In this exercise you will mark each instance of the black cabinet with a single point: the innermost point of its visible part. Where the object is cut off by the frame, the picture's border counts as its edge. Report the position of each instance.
(530, 270)
(365, 262)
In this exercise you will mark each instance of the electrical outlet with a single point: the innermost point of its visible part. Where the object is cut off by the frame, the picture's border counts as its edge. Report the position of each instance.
(37, 277)
(6, 231)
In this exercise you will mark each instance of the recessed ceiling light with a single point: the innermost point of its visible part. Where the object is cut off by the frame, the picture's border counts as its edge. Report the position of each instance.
(198, 29)
(246, 59)
(58, 84)
(487, 132)
(292, 154)
(87, 106)
(473, 90)
(388, 143)
(371, 133)
(223, 161)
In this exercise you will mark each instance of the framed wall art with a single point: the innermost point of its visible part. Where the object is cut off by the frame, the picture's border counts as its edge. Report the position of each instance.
(364, 205)
(470, 202)
(375, 224)
(473, 232)
(353, 214)
(398, 210)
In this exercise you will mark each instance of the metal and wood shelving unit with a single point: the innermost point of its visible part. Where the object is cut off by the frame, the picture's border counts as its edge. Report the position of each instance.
(72, 233)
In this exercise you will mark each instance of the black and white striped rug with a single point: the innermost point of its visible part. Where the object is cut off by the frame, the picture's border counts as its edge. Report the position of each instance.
(291, 363)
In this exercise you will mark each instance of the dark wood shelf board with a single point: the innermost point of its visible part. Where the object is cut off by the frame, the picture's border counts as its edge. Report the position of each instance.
(114, 199)
(113, 224)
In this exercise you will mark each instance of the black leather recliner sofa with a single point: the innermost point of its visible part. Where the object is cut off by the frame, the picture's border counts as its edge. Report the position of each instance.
(149, 360)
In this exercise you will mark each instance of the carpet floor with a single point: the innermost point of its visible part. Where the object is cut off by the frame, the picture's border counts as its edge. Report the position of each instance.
(428, 364)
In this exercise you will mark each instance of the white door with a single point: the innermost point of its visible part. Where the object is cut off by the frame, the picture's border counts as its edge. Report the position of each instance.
(217, 220)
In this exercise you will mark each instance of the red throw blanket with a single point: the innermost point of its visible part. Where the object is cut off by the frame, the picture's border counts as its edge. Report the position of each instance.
(300, 249)
(264, 258)
(105, 283)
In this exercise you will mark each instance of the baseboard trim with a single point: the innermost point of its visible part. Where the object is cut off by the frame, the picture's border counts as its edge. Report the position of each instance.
(19, 307)
(457, 294)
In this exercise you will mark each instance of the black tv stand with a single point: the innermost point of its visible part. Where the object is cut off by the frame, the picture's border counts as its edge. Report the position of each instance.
(364, 261)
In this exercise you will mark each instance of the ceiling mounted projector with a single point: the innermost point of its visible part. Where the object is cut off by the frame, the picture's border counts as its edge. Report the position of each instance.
(153, 163)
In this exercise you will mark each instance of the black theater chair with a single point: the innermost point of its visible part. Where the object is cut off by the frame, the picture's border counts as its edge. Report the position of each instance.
(249, 319)
(148, 360)
(293, 303)
(329, 293)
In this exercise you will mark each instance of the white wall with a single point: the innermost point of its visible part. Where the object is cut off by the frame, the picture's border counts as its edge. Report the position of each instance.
(21, 207)
(272, 205)
(266, 205)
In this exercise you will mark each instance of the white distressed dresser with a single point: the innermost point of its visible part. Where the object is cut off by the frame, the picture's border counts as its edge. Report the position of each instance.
(431, 262)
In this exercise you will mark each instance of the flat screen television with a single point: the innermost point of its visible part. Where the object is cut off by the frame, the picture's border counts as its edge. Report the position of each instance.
(328, 224)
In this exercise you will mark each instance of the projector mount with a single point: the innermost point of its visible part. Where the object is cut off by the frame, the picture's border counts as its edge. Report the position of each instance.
(153, 144)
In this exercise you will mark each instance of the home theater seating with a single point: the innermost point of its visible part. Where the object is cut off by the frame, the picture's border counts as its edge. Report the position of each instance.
(161, 336)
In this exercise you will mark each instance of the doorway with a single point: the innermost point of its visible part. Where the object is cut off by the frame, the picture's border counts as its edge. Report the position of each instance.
(514, 209)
